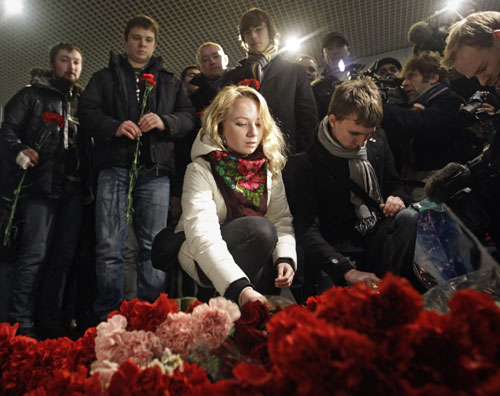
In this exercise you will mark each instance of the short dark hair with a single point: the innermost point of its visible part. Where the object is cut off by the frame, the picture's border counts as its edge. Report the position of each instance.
(357, 98)
(54, 50)
(333, 38)
(142, 21)
(186, 69)
(255, 17)
(426, 63)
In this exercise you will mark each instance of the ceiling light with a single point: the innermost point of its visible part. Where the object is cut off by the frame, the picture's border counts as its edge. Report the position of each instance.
(293, 44)
(13, 7)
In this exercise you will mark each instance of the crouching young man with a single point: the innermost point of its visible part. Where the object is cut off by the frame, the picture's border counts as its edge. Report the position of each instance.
(348, 206)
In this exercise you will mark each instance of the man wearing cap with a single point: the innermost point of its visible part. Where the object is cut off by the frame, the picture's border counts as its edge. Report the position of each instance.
(334, 48)
(386, 67)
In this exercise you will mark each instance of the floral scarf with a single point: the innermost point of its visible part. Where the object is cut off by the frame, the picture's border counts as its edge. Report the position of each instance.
(242, 182)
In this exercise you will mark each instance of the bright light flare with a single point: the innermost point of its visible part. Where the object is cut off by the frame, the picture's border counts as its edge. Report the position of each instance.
(293, 44)
(453, 5)
(13, 7)
(341, 65)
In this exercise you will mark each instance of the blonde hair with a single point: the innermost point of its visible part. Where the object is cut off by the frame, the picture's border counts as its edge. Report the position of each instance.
(476, 31)
(357, 98)
(206, 44)
(217, 112)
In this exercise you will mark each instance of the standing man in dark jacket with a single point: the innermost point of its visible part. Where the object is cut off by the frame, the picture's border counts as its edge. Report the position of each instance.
(54, 203)
(212, 62)
(109, 111)
(347, 204)
(283, 84)
(334, 48)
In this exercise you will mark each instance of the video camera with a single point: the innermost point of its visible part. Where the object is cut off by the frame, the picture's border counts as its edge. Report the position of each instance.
(469, 114)
(389, 87)
(473, 190)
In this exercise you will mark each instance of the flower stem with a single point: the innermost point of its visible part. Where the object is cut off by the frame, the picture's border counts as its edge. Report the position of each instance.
(134, 169)
(133, 178)
(17, 193)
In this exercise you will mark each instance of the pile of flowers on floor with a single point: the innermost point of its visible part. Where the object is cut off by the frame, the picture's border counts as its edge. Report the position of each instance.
(353, 341)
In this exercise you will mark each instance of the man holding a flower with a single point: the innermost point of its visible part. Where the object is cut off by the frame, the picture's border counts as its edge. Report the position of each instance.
(134, 109)
(40, 133)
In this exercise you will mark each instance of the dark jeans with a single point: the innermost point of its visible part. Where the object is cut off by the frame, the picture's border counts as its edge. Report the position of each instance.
(251, 241)
(150, 202)
(47, 247)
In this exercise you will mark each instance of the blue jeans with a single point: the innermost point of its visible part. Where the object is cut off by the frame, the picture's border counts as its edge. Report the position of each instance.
(150, 202)
(46, 252)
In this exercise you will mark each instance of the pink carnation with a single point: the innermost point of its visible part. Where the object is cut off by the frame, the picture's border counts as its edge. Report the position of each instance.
(115, 344)
(213, 322)
(109, 337)
(176, 333)
(106, 369)
(141, 346)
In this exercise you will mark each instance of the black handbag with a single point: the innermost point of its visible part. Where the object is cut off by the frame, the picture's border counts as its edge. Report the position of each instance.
(165, 248)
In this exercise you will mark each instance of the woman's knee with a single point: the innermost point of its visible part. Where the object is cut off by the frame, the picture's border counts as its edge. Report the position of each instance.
(251, 230)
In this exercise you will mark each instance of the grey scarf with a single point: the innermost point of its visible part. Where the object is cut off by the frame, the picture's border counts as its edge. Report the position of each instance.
(361, 172)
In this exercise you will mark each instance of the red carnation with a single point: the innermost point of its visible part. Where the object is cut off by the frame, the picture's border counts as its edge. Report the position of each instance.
(49, 117)
(148, 79)
(142, 315)
(254, 314)
(250, 82)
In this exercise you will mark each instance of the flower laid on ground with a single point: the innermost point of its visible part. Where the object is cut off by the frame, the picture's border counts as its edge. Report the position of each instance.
(349, 341)
(52, 122)
(149, 83)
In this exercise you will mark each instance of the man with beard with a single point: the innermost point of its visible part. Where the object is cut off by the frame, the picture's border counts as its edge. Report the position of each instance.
(41, 133)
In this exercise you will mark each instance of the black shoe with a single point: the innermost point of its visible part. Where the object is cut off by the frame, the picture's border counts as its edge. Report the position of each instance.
(27, 332)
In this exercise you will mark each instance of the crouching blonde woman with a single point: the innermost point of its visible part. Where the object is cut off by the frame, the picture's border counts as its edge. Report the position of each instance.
(238, 227)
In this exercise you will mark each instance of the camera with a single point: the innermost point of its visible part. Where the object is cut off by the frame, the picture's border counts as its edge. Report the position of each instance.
(389, 87)
(469, 114)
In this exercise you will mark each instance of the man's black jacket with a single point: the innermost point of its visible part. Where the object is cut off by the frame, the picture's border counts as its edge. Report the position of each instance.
(105, 105)
(23, 127)
(320, 200)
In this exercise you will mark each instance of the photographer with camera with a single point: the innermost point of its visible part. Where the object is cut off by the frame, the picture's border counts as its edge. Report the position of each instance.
(473, 49)
(334, 48)
(430, 130)
(387, 67)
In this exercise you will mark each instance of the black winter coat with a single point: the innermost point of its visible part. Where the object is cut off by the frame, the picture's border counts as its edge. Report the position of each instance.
(437, 136)
(288, 94)
(201, 98)
(23, 127)
(323, 89)
(320, 200)
(105, 105)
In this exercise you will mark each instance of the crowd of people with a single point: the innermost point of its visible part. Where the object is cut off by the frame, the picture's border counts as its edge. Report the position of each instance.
(246, 182)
